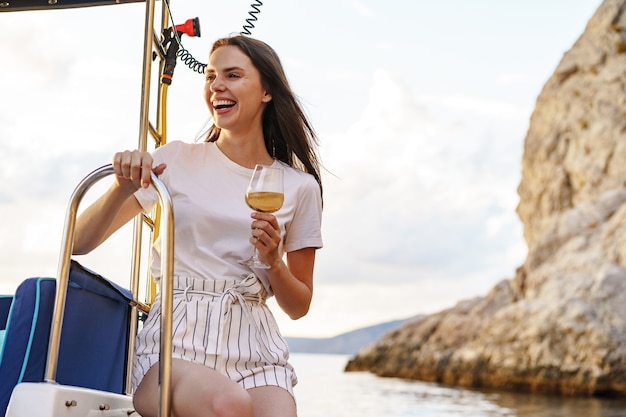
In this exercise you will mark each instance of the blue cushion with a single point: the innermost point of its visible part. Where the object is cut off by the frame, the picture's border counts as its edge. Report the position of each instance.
(94, 337)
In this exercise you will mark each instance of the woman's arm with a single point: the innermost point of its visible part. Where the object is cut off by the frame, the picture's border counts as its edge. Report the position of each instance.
(100, 220)
(117, 206)
(293, 283)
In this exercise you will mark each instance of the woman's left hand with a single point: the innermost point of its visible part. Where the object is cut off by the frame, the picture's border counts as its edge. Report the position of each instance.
(266, 237)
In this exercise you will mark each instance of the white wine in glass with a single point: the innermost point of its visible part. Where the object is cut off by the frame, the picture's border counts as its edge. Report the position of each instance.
(264, 194)
(265, 201)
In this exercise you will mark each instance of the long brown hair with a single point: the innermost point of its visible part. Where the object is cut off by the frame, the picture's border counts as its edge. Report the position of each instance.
(288, 133)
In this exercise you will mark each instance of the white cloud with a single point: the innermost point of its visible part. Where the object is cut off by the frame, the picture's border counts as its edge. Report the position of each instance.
(361, 8)
(413, 197)
(513, 79)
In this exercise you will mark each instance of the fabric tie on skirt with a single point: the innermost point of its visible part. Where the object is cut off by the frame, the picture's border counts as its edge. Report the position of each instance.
(249, 291)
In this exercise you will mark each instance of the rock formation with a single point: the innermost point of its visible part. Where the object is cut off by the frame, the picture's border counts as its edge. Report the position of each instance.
(558, 326)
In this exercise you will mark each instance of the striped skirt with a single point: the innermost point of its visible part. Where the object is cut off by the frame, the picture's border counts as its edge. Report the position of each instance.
(224, 325)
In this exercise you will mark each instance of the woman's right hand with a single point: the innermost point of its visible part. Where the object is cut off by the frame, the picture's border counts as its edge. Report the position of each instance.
(133, 169)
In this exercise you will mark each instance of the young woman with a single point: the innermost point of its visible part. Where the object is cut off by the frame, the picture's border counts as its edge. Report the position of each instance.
(229, 358)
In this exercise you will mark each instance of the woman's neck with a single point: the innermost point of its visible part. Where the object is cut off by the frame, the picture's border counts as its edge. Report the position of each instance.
(244, 150)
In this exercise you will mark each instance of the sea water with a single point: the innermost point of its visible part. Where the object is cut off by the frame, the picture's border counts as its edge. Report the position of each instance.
(324, 390)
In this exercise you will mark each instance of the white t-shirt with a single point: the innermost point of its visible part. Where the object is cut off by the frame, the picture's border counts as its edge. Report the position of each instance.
(212, 223)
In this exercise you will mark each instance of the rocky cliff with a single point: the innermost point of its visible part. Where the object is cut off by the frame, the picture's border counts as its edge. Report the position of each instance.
(558, 326)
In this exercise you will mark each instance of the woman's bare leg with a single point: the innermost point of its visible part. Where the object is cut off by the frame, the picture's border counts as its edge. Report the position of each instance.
(272, 401)
(197, 391)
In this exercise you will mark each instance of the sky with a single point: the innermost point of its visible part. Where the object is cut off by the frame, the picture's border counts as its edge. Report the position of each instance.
(421, 109)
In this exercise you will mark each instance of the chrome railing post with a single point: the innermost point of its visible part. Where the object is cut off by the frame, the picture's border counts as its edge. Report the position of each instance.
(167, 296)
(167, 273)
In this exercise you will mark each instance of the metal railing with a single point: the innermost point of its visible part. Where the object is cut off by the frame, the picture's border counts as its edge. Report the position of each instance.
(166, 282)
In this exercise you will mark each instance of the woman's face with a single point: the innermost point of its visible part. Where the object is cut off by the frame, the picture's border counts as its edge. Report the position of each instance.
(233, 90)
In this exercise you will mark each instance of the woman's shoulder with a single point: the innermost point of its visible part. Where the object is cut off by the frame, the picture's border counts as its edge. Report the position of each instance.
(297, 177)
(295, 173)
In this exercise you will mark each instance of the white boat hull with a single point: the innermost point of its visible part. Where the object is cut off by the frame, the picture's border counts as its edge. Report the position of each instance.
(32, 399)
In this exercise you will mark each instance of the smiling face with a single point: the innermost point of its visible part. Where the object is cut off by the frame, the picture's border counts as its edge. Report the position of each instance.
(233, 90)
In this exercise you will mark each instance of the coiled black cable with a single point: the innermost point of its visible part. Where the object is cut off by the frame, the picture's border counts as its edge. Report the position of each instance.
(253, 18)
(188, 59)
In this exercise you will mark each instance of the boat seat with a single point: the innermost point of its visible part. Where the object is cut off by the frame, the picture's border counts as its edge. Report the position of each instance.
(94, 336)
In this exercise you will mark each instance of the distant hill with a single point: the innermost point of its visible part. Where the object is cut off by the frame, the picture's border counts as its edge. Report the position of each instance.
(346, 343)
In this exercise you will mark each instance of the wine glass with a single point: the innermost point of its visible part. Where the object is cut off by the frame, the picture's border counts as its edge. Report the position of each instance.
(264, 194)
